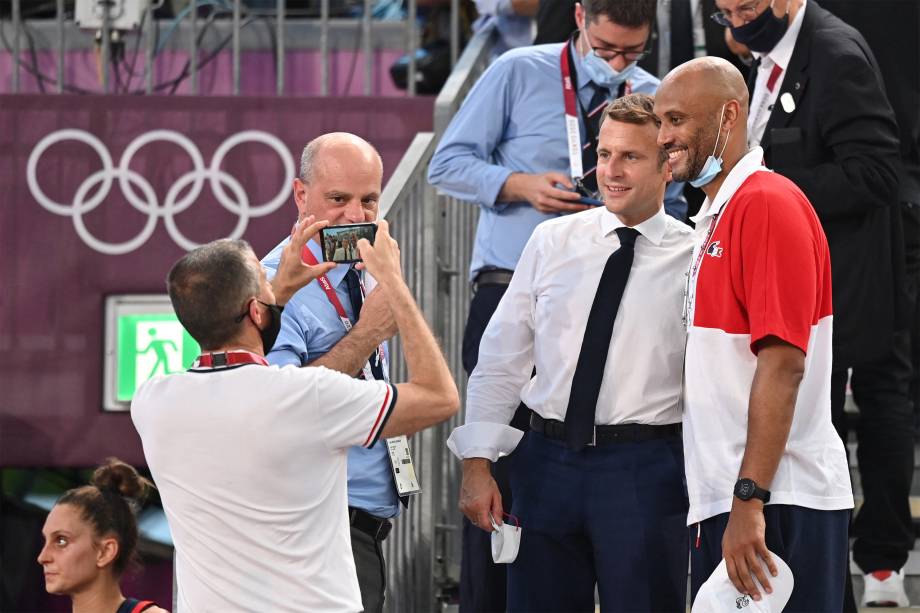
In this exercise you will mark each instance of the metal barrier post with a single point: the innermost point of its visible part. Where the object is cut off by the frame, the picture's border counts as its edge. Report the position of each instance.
(324, 46)
(60, 38)
(367, 47)
(193, 48)
(413, 47)
(279, 59)
(106, 48)
(148, 60)
(17, 26)
(236, 47)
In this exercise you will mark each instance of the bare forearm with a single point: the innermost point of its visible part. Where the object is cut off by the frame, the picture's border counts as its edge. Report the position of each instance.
(349, 355)
(770, 411)
(527, 8)
(510, 191)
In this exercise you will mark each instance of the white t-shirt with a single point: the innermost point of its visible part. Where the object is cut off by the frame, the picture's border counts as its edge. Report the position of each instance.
(250, 463)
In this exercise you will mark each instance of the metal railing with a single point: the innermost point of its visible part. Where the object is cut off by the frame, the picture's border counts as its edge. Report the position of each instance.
(435, 234)
(184, 31)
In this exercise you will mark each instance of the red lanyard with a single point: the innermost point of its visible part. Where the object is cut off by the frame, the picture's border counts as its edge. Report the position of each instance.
(572, 131)
(307, 256)
(223, 359)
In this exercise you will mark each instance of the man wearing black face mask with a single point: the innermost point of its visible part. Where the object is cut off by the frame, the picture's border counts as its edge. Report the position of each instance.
(819, 111)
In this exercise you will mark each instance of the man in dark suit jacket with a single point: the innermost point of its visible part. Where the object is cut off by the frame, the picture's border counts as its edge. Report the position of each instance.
(819, 110)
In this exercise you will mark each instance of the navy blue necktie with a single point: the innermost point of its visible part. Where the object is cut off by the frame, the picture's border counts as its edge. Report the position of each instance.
(353, 283)
(592, 360)
(593, 119)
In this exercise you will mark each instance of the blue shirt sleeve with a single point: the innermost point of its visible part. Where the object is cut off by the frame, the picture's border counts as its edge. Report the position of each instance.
(291, 345)
(462, 164)
(675, 204)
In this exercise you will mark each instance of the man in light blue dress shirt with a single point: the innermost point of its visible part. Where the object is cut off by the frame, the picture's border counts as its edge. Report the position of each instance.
(507, 151)
(340, 181)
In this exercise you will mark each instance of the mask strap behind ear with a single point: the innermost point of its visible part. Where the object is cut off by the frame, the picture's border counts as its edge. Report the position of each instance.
(716, 144)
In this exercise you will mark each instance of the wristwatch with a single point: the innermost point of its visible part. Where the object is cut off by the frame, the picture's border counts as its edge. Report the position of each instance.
(745, 489)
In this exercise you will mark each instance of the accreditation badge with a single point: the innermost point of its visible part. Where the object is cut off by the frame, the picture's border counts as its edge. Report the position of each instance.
(403, 468)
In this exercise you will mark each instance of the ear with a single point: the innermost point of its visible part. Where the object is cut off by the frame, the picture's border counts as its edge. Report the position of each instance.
(300, 198)
(732, 113)
(106, 551)
(255, 313)
(579, 15)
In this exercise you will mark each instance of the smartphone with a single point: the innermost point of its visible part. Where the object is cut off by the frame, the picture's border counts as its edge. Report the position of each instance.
(586, 200)
(340, 243)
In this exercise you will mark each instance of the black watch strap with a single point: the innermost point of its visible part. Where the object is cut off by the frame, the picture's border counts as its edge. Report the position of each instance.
(746, 489)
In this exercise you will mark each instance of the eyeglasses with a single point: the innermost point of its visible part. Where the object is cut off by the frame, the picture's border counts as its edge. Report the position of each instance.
(745, 12)
(608, 55)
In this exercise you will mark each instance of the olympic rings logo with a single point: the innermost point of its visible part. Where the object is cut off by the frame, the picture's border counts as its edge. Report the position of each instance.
(130, 182)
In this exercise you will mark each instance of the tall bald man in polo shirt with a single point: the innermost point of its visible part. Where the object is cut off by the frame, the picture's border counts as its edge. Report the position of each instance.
(766, 470)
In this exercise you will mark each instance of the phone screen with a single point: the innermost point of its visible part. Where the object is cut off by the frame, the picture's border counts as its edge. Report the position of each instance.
(340, 243)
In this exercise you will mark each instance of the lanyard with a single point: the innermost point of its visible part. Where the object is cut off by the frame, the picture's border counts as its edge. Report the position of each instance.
(224, 359)
(572, 108)
(694, 272)
(331, 295)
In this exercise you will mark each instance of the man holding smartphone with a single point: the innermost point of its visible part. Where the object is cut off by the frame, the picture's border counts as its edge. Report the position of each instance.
(334, 325)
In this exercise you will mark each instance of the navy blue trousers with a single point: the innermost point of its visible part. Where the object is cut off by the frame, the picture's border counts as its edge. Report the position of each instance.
(614, 516)
(813, 543)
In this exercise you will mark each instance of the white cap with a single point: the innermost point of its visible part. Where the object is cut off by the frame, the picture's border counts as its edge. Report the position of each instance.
(718, 594)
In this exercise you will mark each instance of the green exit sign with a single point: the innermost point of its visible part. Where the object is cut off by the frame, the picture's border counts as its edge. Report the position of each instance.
(143, 339)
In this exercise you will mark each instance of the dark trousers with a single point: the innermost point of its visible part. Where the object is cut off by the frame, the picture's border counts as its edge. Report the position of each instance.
(482, 582)
(813, 543)
(613, 515)
(885, 451)
(372, 570)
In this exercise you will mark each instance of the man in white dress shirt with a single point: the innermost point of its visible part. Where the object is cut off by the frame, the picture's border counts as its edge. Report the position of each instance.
(595, 307)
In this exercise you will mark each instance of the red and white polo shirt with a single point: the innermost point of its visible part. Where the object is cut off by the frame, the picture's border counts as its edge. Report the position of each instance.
(761, 267)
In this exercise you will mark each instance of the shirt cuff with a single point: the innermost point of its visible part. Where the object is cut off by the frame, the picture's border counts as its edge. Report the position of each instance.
(490, 185)
(483, 439)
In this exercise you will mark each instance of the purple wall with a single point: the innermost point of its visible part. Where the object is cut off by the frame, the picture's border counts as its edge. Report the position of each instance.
(257, 69)
(54, 283)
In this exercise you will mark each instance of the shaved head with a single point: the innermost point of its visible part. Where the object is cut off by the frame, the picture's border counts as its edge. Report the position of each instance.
(703, 106)
(707, 80)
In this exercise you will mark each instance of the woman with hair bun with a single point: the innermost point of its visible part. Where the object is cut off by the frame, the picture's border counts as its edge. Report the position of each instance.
(91, 539)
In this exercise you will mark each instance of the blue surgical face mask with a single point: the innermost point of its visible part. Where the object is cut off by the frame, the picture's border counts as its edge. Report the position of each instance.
(601, 72)
(713, 165)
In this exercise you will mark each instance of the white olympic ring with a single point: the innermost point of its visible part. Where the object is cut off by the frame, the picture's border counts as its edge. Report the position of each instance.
(129, 180)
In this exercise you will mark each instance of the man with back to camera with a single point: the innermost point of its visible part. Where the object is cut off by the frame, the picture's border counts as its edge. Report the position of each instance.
(595, 307)
(757, 378)
(508, 151)
(340, 182)
(820, 113)
(250, 459)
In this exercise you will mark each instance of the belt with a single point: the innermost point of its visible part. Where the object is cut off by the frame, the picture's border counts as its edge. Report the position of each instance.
(605, 435)
(493, 276)
(375, 527)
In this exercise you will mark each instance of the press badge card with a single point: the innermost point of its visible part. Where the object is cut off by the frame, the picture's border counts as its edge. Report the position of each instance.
(403, 468)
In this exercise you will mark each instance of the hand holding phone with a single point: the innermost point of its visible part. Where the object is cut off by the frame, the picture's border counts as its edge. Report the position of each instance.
(340, 243)
(584, 199)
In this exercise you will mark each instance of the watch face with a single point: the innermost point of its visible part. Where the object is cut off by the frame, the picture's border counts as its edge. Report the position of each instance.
(745, 489)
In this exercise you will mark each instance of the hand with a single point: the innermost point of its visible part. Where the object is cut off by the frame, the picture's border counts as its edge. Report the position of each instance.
(479, 495)
(542, 194)
(377, 316)
(292, 273)
(743, 543)
(382, 258)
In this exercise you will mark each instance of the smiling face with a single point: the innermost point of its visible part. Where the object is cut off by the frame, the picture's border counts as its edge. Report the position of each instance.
(688, 131)
(631, 174)
(73, 558)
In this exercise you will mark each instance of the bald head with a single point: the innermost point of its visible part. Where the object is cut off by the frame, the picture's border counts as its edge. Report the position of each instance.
(338, 145)
(711, 81)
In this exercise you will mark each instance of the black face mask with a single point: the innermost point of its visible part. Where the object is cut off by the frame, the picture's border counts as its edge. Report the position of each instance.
(270, 333)
(762, 34)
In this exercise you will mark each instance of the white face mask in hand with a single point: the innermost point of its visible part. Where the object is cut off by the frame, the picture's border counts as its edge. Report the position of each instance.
(506, 540)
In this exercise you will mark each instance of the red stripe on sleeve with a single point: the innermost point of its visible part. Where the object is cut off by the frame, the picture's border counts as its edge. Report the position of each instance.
(383, 409)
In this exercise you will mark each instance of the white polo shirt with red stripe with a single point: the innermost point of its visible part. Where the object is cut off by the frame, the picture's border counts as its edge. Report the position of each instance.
(761, 267)
(250, 463)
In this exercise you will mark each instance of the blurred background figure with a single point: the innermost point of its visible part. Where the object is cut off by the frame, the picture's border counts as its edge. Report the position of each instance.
(90, 541)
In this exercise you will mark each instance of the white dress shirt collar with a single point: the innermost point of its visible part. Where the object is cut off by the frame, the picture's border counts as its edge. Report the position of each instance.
(782, 52)
(652, 228)
(746, 166)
